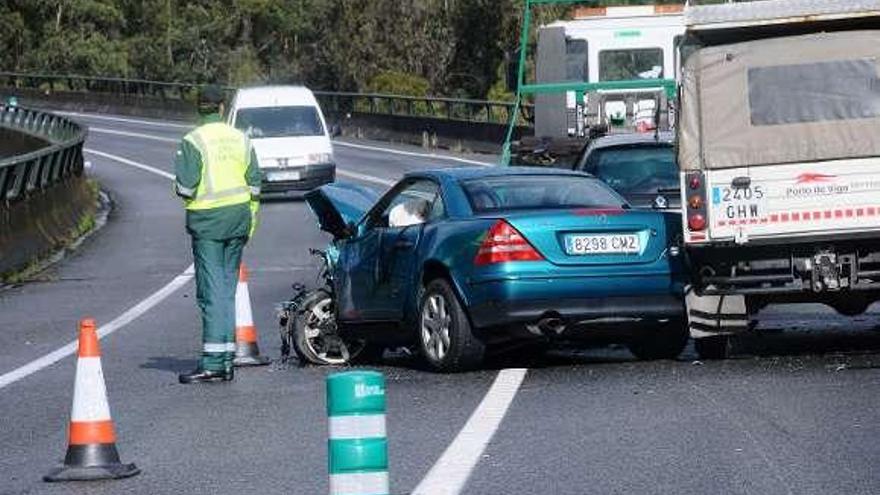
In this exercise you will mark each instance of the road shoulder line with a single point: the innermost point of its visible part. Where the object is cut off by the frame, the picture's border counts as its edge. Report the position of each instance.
(129, 120)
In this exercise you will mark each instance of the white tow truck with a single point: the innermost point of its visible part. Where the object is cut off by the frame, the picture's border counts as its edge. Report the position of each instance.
(602, 69)
(779, 151)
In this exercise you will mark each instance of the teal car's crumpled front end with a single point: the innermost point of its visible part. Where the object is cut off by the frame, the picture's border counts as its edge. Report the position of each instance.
(339, 206)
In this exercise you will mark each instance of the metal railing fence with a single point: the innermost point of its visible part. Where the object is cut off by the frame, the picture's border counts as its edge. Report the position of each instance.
(463, 110)
(25, 174)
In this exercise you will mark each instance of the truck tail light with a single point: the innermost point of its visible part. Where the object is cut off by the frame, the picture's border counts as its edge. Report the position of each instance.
(696, 222)
(696, 202)
(504, 244)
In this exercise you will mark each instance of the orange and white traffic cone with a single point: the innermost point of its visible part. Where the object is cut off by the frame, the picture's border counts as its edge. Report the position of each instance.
(91, 450)
(247, 352)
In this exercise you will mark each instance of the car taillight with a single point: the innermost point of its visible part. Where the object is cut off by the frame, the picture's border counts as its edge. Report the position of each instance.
(503, 244)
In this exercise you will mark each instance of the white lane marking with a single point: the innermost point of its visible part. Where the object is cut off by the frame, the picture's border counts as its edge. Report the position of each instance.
(433, 156)
(122, 320)
(450, 473)
(132, 121)
(131, 163)
(101, 130)
(344, 173)
(364, 177)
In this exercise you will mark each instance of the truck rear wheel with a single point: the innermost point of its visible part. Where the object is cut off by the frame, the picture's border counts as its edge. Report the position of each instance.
(666, 341)
(714, 347)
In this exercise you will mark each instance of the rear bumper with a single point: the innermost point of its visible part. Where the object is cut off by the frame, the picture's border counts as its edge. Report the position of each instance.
(516, 303)
(311, 176)
(788, 268)
(577, 311)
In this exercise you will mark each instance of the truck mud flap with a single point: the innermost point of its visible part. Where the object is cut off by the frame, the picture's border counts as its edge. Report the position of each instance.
(715, 315)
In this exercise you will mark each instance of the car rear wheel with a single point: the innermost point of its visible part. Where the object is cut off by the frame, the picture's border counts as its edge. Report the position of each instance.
(444, 331)
(666, 341)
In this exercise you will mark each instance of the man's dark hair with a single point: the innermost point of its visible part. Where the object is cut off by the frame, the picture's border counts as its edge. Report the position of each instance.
(210, 98)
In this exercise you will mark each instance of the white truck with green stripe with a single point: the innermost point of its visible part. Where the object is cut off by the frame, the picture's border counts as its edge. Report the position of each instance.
(779, 151)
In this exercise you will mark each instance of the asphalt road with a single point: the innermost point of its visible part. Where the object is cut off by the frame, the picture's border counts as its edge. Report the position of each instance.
(796, 412)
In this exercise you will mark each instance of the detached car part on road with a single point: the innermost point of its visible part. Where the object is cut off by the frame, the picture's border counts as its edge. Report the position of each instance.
(456, 261)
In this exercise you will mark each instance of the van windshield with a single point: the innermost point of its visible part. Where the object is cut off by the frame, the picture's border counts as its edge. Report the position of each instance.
(269, 122)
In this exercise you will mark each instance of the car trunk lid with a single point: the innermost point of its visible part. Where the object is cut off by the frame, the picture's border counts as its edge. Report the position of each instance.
(596, 236)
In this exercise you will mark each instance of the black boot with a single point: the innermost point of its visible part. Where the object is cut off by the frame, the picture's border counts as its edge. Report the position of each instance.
(199, 375)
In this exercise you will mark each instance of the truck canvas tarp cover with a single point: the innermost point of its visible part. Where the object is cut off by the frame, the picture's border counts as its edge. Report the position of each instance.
(783, 100)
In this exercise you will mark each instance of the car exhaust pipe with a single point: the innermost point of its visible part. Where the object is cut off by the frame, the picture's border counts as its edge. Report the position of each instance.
(551, 325)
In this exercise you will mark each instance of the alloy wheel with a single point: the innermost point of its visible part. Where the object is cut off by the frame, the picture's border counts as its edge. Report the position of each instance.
(435, 327)
(321, 337)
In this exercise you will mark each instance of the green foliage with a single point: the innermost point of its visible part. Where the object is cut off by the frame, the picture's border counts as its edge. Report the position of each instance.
(419, 47)
(391, 82)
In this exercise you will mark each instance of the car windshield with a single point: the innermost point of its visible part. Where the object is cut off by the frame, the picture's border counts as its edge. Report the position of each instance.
(268, 122)
(528, 192)
(635, 169)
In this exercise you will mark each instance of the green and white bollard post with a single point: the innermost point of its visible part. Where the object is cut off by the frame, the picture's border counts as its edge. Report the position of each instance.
(358, 448)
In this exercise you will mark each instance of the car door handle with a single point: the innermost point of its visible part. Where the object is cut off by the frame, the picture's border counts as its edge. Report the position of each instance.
(403, 245)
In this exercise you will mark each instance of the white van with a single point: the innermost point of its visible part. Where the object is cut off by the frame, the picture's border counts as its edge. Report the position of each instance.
(289, 134)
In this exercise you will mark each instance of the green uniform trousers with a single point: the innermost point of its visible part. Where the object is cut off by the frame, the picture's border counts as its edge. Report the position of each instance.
(216, 264)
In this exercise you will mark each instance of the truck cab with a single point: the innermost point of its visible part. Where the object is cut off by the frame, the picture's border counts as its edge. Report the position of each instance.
(779, 156)
(605, 44)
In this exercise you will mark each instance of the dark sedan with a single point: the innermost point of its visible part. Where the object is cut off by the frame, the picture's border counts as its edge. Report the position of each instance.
(641, 167)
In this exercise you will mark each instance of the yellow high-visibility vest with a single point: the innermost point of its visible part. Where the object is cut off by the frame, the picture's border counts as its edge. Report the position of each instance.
(225, 157)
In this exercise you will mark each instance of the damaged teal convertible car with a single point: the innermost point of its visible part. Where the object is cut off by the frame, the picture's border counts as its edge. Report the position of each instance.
(453, 262)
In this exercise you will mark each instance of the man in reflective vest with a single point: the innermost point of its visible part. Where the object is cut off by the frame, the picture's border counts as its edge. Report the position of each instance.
(219, 180)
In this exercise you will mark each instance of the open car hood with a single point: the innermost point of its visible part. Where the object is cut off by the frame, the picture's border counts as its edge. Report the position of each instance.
(339, 205)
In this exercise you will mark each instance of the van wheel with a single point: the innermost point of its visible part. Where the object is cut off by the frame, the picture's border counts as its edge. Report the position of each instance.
(715, 347)
(666, 341)
(444, 331)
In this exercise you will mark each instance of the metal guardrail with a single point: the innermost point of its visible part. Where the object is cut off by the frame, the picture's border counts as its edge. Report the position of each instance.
(25, 174)
(465, 110)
